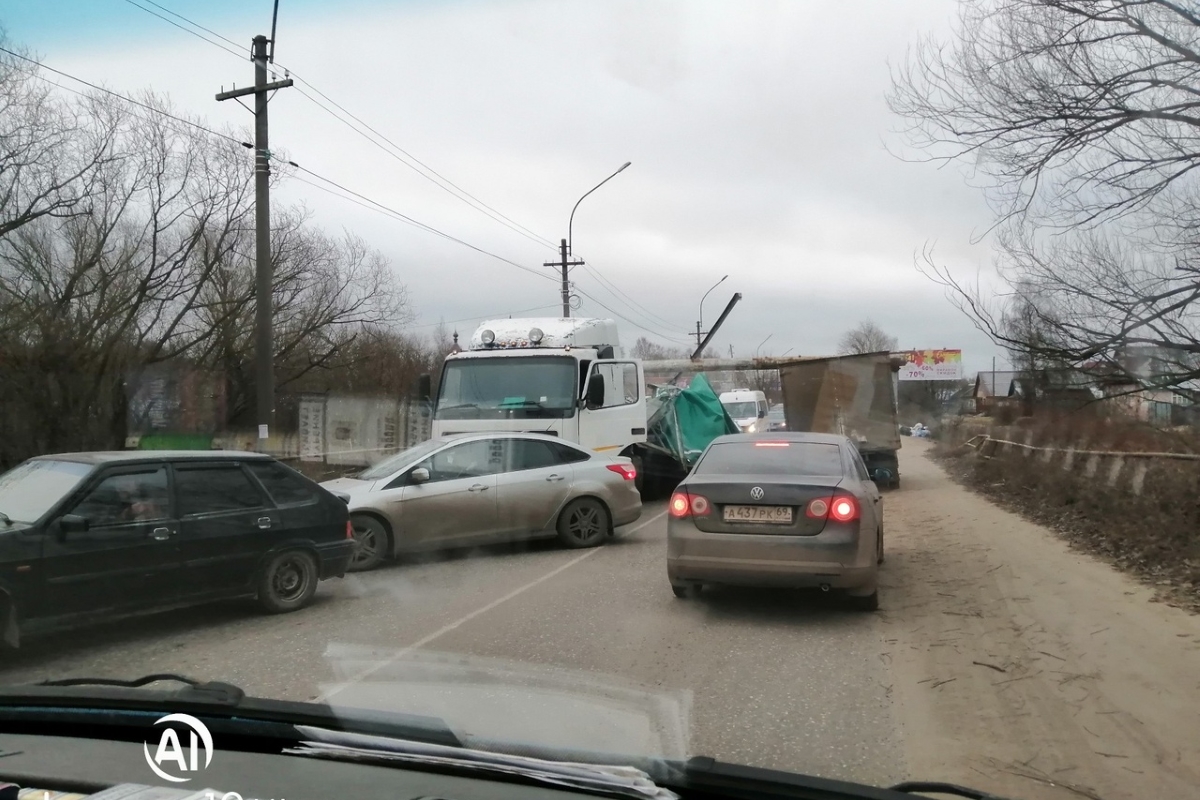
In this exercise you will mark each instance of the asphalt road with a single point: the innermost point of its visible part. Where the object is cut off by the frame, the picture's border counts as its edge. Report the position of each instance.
(603, 655)
(1000, 657)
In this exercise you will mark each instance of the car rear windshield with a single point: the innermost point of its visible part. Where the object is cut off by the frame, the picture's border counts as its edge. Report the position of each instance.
(31, 489)
(771, 458)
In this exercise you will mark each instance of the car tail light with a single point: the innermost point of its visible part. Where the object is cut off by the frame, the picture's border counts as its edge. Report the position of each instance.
(684, 504)
(844, 508)
(349, 529)
(817, 508)
(626, 471)
(839, 508)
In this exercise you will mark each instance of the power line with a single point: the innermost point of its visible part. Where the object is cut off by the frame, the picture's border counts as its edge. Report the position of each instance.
(188, 30)
(188, 21)
(639, 326)
(387, 210)
(439, 181)
(615, 290)
(373, 203)
(117, 95)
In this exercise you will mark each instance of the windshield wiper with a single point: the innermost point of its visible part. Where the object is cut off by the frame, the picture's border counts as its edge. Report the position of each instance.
(613, 780)
(459, 405)
(933, 787)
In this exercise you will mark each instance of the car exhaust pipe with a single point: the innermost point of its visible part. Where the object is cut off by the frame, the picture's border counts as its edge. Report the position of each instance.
(824, 587)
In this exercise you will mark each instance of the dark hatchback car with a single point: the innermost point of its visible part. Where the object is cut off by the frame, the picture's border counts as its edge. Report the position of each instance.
(105, 534)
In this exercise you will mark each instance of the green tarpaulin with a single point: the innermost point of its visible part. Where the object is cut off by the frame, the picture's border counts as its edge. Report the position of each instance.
(685, 421)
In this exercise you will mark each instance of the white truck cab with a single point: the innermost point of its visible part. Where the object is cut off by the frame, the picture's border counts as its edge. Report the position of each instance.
(747, 408)
(561, 376)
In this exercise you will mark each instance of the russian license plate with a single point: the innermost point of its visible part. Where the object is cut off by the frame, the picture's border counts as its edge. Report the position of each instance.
(779, 515)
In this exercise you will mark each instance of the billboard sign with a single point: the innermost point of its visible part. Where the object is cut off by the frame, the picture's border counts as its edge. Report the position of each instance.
(932, 365)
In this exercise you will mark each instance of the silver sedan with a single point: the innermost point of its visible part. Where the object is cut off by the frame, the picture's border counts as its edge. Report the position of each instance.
(472, 489)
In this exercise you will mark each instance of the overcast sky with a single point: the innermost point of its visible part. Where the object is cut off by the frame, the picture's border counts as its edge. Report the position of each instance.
(758, 133)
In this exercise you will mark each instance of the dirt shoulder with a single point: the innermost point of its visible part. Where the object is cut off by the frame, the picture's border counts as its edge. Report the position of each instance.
(1023, 667)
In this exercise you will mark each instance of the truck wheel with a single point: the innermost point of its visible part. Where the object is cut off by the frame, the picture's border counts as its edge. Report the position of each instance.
(288, 582)
(583, 523)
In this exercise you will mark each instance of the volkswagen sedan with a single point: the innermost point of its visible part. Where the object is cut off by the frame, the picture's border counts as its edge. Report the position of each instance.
(778, 509)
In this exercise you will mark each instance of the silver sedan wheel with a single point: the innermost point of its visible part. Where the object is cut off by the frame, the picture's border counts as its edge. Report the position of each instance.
(583, 523)
(370, 543)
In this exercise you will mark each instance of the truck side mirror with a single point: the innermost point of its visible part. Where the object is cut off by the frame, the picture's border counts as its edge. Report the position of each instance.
(424, 387)
(595, 391)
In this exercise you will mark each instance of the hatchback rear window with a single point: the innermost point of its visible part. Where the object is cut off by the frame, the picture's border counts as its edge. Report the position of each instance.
(771, 458)
(285, 487)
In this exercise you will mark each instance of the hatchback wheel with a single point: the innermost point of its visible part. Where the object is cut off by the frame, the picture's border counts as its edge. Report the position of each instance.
(583, 523)
(288, 582)
(370, 543)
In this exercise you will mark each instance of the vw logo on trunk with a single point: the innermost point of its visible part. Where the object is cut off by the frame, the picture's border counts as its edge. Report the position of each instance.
(756, 493)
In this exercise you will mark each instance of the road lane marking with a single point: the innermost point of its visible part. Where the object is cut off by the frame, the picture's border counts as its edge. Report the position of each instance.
(442, 631)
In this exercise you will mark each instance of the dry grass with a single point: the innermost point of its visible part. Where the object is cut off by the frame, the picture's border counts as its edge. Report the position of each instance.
(1153, 533)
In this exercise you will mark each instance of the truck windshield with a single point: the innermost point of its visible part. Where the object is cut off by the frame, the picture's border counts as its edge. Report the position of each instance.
(518, 387)
(742, 410)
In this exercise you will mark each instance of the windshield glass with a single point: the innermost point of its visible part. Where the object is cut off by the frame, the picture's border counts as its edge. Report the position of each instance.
(459, 216)
(31, 489)
(529, 387)
(741, 410)
(392, 464)
(771, 458)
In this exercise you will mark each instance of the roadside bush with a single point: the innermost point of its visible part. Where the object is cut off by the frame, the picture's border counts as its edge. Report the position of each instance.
(1142, 514)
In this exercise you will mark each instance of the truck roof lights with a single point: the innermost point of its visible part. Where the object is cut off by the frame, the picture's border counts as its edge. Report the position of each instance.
(488, 336)
(535, 335)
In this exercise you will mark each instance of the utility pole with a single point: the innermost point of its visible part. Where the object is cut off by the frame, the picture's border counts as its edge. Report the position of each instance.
(565, 263)
(264, 369)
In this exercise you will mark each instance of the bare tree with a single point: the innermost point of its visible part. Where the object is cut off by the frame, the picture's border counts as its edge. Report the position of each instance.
(1084, 114)
(866, 337)
(149, 266)
(1081, 109)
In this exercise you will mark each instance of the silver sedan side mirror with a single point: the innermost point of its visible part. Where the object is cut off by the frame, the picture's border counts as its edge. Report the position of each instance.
(419, 475)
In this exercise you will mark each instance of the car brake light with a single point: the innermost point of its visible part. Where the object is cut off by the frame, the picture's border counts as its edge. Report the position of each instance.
(772, 444)
(349, 529)
(684, 505)
(679, 505)
(840, 508)
(844, 508)
(624, 470)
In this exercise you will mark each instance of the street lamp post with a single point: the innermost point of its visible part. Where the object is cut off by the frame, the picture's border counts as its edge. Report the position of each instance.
(764, 341)
(700, 322)
(565, 245)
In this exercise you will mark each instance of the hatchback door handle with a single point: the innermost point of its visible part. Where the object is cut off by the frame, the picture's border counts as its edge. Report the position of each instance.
(554, 478)
(160, 534)
(479, 487)
(264, 523)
